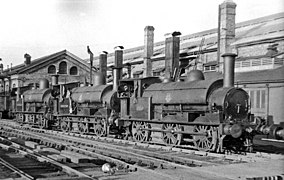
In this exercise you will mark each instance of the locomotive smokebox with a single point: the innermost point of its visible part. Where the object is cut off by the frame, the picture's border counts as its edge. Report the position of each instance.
(117, 69)
(43, 84)
(229, 69)
(54, 79)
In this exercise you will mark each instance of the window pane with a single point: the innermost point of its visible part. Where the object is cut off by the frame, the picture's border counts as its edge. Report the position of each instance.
(252, 98)
(263, 99)
(258, 99)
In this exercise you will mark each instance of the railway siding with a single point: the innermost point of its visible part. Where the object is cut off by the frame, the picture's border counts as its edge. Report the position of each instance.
(153, 159)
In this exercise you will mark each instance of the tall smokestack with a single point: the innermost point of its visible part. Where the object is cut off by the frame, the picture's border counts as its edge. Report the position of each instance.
(227, 28)
(171, 53)
(229, 69)
(1, 66)
(91, 64)
(103, 63)
(148, 50)
(28, 59)
(118, 63)
(54, 79)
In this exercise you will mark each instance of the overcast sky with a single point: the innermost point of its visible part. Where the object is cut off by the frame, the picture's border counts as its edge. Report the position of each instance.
(43, 27)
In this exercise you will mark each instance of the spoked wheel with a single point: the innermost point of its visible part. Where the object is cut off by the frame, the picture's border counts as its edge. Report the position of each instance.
(100, 127)
(83, 127)
(208, 141)
(204, 142)
(65, 125)
(138, 133)
(42, 122)
(20, 118)
(172, 138)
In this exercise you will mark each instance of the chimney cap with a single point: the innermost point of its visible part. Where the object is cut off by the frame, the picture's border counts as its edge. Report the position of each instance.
(173, 34)
(229, 54)
(104, 52)
(89, 50)
(27, 55)
(149, 28)
(118, 48)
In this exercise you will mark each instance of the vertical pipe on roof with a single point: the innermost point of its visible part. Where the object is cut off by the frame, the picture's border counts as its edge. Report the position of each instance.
(103, 64)
(117, 69)
(227, 28)
(172, 44)
(91, 64)
(148, 50)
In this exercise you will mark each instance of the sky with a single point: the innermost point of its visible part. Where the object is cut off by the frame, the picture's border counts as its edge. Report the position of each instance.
(43, 27)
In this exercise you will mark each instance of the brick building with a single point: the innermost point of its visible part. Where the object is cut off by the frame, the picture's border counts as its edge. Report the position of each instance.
(69, 67)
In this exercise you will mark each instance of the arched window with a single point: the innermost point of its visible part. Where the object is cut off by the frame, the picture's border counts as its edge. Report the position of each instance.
(51, 69)
(63, 68)
(73, 71)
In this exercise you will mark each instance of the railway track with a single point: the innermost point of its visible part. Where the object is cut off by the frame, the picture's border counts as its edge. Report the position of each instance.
(131, 156)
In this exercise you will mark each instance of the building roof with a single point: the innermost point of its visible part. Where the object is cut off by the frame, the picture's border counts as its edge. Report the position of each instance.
(264, 29)
(42, 61)
(262, 76)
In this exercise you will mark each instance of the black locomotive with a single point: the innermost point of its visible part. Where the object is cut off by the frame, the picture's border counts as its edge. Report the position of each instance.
(202, 111)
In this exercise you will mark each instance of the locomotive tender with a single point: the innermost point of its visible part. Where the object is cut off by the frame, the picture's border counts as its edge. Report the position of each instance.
(202, 111)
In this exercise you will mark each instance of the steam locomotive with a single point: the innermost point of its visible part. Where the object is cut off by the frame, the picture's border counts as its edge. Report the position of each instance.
(202, 111)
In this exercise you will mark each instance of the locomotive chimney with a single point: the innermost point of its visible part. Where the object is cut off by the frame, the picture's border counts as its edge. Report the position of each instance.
(103, 64)
(117, 69)
(1, 66)
(148, 50)
(227, 13)
(171, 54)
(229, 69)
(128, 66)
(91, 64)
(43, 84)
(28, 59)
(54, 79)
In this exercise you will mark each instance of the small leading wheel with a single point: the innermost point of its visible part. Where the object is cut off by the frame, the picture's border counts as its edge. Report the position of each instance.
(205, 142)
(100, 127)
(138, 133)
(172, 138)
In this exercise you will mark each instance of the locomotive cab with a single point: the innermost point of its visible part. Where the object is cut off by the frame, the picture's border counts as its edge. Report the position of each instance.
(130, 92)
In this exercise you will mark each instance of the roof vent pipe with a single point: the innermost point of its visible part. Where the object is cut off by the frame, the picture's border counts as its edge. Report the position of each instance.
(28, 59)
(172, 44)
(117, 69)
(103, 65)
(148, 49)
